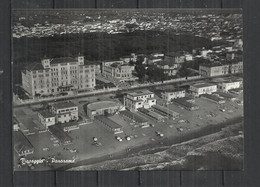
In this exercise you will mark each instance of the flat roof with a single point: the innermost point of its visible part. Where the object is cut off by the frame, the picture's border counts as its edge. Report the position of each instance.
(140, 93)
(62, 105)
(46, 114)
(172, 90)
(202, 85)
(21, 143)
(108, 122)
(212, 97)
(102, 105)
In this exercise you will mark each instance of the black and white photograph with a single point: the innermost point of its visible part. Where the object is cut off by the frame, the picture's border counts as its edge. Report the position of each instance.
(127, 89)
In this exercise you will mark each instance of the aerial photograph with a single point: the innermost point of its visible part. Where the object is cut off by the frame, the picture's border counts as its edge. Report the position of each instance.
(127, 89)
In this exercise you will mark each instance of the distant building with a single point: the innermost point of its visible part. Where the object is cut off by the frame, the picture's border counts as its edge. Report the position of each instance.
(127, 59)
(168, 95)
(236, 67)
(46, 118)
(228, 85)
(65, 112)
(22, 146)
(139, 99)
(168, 67)
(103, 108)
(176, 57)
(202, 88)
(54, 76)
(118, 70)
(210, 70)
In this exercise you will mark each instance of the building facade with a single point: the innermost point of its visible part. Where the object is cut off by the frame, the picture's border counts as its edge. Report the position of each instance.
(168, 95)
(228, 85)
(103, 108)
(139, 99)
(202, 88)
(46, 118)
(58, 75)
(213, 70)
(64, 112)
(168, 67)
(118, 70)
(236, 67)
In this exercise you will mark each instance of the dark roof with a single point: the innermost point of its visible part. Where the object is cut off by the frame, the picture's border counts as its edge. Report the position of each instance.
(68, 124)
(63, 60)
(57, 131)
(173, 90)
(185, 103)
(212, 97)
(176, 54)
(202, 85)
(164, 62)
(34, 66)
(108, 122)
(46, 114)
(64, 105)
(21, 143)
(133, 116)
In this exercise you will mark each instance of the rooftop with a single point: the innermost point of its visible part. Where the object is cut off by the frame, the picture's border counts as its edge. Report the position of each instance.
(108, 122)
(34, 66)
(46, 114)
(172, 90)
(202, 85)
(140, 93)
(176, 54)
(59, 133)
(21, 143)
(63, 60)
(64, 105)
(103, 105)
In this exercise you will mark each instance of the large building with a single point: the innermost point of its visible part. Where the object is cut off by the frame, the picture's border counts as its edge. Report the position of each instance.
(103, 108)
(210, 70)
(58, 75)
(64, 112)
(139, 99)
(170, 94)
(202, 88)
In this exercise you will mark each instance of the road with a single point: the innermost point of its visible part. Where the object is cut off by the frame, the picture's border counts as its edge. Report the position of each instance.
(181, 83)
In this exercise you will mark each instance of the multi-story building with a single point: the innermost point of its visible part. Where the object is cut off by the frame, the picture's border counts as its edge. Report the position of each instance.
(64, 112)
(127, 59)
(236, 67)
(168, 95)
(210, 70)
(139, 99)
(53, 76)
(228, 85)
(46, 118)
(168, 67)
(202, 88)
(118, 70)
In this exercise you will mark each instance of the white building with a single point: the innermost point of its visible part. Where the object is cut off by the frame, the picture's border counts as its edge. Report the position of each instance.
(139, 99)
(58, 75)
(168, 95)
(46, 118)
(65, 112)
(202, 88)
(228, 85)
